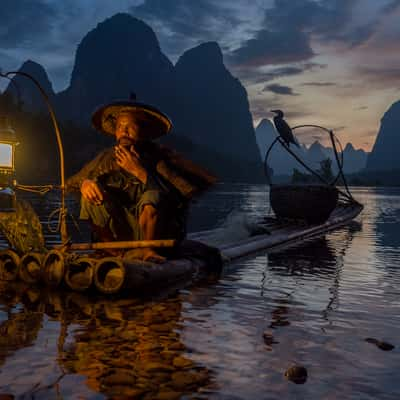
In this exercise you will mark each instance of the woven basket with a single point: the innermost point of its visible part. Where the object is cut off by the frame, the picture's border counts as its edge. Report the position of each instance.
(312, 203)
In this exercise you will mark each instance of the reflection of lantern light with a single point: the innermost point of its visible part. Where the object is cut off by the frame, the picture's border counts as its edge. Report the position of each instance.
(8, 141)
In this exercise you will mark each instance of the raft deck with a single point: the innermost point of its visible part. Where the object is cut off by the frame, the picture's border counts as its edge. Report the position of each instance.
(193, 259)
(282, 233)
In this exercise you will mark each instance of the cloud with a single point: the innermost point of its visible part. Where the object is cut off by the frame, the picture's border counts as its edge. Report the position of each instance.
(181, 24)
(279, 89)
(350, 23)
(254, 75)
(48, 31)
(319, 84)
(391, 7)
(273, 47)
(380, 76)
(279, 73)
(24, 21)
(290, 26)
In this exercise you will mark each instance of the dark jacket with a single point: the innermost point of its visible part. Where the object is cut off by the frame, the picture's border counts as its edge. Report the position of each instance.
(188, 178)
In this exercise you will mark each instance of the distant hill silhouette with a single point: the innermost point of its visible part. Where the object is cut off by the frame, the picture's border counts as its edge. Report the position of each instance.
(25, 90)
(384, 154)
(213, 109)
(283, 163)
(355, 160)
(209, 107)
(120, 55)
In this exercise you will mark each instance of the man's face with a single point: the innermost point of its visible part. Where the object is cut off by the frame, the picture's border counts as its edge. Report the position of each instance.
(126, 127)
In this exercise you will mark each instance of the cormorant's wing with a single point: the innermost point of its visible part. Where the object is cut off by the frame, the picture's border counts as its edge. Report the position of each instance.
(22, 228)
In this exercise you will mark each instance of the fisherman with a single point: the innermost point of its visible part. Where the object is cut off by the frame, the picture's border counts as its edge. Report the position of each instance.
(137, 190)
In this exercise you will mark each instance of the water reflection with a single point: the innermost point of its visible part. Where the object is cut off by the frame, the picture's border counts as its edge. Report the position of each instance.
(313, 304)
(122, 347)
(320, 258)
(21, 326)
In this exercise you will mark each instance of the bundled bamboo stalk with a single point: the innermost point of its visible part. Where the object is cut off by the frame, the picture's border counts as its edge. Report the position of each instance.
(109, 275)
(112, 275)
(193, 260)
(53, 268)
(9, 265)
(129, 244)
(142, 275)
(79, 273)
(30, 267)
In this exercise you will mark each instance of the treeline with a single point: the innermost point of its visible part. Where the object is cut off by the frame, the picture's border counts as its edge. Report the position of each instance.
(375, 178)
(363, 178)
(37, 156)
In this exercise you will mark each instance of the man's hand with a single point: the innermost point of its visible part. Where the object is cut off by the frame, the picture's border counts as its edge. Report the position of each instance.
(91, 192)
(130, 162)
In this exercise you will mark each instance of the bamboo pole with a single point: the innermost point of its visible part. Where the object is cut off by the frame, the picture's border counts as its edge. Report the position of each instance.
(9, 264)
(129, 244)
(63, 211)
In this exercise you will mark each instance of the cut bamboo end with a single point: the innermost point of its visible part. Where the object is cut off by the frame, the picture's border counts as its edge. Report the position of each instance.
(109, 275)
(53, 268)
(30, 267)
(79, 273)
(9, 265)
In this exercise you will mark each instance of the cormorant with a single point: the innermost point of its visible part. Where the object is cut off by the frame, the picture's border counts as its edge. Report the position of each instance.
(284, 130)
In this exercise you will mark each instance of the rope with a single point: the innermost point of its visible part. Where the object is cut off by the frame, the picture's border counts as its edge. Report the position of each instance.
(40, 189)
(266, 160)
(331, 135)
(51, 215)
(339, 161)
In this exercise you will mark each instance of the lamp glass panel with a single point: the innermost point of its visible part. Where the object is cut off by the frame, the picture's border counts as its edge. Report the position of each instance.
(6, 155)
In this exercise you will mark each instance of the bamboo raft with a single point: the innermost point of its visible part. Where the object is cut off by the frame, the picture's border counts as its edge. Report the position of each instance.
(191, 260)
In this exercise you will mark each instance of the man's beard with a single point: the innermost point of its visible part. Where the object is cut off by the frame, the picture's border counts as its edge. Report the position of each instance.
(126, 141)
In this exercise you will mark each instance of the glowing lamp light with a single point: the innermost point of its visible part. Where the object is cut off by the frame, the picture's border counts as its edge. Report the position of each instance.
(6, 156)
(8, 142)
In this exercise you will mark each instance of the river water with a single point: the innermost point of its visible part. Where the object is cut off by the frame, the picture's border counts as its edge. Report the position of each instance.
(231, 337)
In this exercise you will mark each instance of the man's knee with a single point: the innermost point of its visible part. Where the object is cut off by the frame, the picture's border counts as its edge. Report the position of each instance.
(148, 213)
(96, 214)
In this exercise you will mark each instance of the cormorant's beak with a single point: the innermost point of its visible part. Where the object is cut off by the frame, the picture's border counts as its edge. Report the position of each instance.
(274, 111)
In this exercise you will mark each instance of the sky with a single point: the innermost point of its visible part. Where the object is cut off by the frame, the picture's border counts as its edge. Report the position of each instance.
(334, 63)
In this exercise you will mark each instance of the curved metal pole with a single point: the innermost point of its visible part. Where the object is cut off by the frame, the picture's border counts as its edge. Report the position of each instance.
(63, 227)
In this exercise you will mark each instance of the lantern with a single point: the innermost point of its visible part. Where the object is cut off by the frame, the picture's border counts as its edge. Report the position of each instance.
(8, 142)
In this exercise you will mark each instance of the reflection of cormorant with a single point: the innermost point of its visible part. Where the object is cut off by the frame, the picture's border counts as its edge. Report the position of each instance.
(283, 128)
